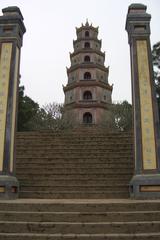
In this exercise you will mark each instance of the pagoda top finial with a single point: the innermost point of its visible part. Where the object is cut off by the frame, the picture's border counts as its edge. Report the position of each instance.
(87, 24)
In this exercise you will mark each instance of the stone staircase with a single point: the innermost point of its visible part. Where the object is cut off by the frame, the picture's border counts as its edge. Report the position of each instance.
(28, 219)
(74, 186)
(81, 164)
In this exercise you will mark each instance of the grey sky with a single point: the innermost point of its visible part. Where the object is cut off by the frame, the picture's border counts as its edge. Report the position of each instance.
(49, 39)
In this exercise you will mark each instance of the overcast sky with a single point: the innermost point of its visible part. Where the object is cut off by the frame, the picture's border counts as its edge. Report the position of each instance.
(49, 38)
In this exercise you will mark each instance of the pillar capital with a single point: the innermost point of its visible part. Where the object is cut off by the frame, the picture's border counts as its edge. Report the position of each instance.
(12, 11)
(138, 21)
(11, 25)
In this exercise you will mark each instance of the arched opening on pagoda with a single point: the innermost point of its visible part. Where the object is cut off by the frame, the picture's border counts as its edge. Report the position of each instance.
(87, 118)
(87, 58)
(87, 95)
(87, 75)
(87, 45)
(86, 33)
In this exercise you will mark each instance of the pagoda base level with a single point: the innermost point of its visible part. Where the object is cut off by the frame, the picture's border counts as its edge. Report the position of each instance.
(145, 186)
(9, 187)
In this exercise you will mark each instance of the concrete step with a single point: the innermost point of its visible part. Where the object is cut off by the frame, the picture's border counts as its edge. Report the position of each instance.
(119, 236)
(79, 228)
(91, 188)
(81, 164)
(74, 194)
(78, 159)
(71, 142)
(80, 205)
(66, 146)
(75, 182)
(62, 135)
(76, 155)
(75, 143)
(135, 216)
(88, 175)
(76, 138)
(75, 151)
(74, 171)
(73, 178)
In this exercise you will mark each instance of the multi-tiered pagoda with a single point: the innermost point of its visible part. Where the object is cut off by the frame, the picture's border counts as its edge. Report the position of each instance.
(88, 93)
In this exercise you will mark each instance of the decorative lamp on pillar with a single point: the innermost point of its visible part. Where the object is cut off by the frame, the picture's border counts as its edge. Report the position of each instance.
(11, 34)
(146, 180)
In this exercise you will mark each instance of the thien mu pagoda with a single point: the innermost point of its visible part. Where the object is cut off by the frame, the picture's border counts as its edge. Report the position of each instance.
(87, 93)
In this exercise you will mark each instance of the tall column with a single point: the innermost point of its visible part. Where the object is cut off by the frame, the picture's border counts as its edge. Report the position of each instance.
(11, 35)
(146, 180)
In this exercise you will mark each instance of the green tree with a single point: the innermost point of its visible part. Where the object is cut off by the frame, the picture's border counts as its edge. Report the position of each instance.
(122, 113)
(119, 117)
(156, 67)
(48, 117)
(27, 109)
(51, 117)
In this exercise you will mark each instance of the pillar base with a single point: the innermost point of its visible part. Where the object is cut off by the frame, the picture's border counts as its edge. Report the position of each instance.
(9, 187)
(145, 186)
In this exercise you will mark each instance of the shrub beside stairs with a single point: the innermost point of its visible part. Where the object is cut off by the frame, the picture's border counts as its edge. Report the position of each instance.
(75, 186)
